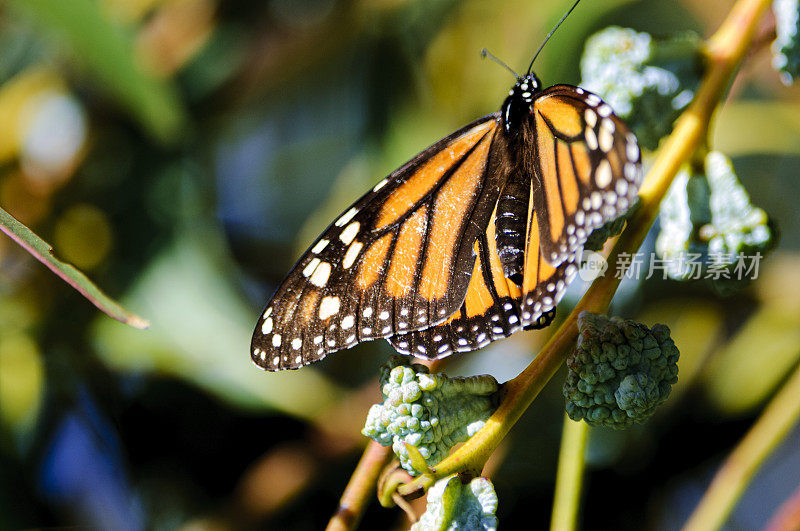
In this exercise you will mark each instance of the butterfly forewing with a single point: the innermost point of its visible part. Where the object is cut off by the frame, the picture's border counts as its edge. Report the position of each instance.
(586, 168)
(398, 260)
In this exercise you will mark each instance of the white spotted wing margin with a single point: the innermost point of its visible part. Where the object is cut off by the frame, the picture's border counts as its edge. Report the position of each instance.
(374, 272)
(494, 306)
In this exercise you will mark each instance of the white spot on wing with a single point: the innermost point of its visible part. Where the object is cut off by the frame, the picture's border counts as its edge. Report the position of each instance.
(591, 138)
(602, 176)
(350, 232)
(320, 246)
(597, 200)
(346, 217)
(351, 254)
(320, 276)
(329, 306)
(632, 149)
(590, 117)
(630, 172)
(266, 328)
(310, 267)
(606, 138)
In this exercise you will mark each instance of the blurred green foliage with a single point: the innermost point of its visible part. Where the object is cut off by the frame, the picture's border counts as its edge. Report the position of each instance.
(204, 145)
(106, 50)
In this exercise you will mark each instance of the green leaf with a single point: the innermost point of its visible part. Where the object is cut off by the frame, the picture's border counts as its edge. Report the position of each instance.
(72, 276)
(106, 50)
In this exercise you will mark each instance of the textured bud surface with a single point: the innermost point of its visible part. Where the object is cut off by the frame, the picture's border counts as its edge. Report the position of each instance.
(710, 215)
(432, 412)
(647, 81)
(453, 505)
(786, 47)
(619, 372)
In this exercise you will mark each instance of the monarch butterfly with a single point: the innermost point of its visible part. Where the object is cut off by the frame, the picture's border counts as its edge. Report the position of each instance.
(471, 240)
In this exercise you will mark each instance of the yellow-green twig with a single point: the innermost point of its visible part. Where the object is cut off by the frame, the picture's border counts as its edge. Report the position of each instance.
(569, 479)
(360, 488)
(724, 51)
(774, 424)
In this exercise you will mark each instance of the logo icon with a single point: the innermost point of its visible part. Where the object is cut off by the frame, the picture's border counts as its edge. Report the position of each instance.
(593, 265)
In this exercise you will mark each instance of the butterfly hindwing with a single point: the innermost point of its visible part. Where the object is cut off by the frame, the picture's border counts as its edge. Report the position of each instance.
(586, 166)
(398, 260)
(543, 284)
(490, 310)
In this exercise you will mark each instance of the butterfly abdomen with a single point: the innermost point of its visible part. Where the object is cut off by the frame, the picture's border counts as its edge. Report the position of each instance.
(511, 225)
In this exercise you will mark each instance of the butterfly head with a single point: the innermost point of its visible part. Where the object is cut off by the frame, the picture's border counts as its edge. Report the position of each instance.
(526, 88)
(519, 100)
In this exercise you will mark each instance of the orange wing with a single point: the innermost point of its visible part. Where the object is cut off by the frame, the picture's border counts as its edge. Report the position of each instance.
(494, 306)
(490, 310)
(586, 168)
(543, 285)
(400, 259)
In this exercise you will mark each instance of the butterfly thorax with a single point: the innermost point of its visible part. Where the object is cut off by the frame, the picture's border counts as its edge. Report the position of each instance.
(517, 105)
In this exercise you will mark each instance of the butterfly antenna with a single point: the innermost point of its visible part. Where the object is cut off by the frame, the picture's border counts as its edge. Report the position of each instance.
(551, 33)
(486, 53)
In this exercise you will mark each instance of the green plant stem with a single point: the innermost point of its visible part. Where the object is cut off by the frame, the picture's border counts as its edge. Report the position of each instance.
(43, 252)
(774, 424)
(360, 488)
(569, 479)
(724, 51)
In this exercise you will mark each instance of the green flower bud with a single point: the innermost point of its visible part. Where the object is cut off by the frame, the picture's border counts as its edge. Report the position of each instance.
(647, 81)
(453, 505)
(431, 412)
(709, 215)
(619, 372)
(786, 48)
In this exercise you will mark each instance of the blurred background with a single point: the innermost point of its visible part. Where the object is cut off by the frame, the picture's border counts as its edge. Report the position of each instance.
(183, 153)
